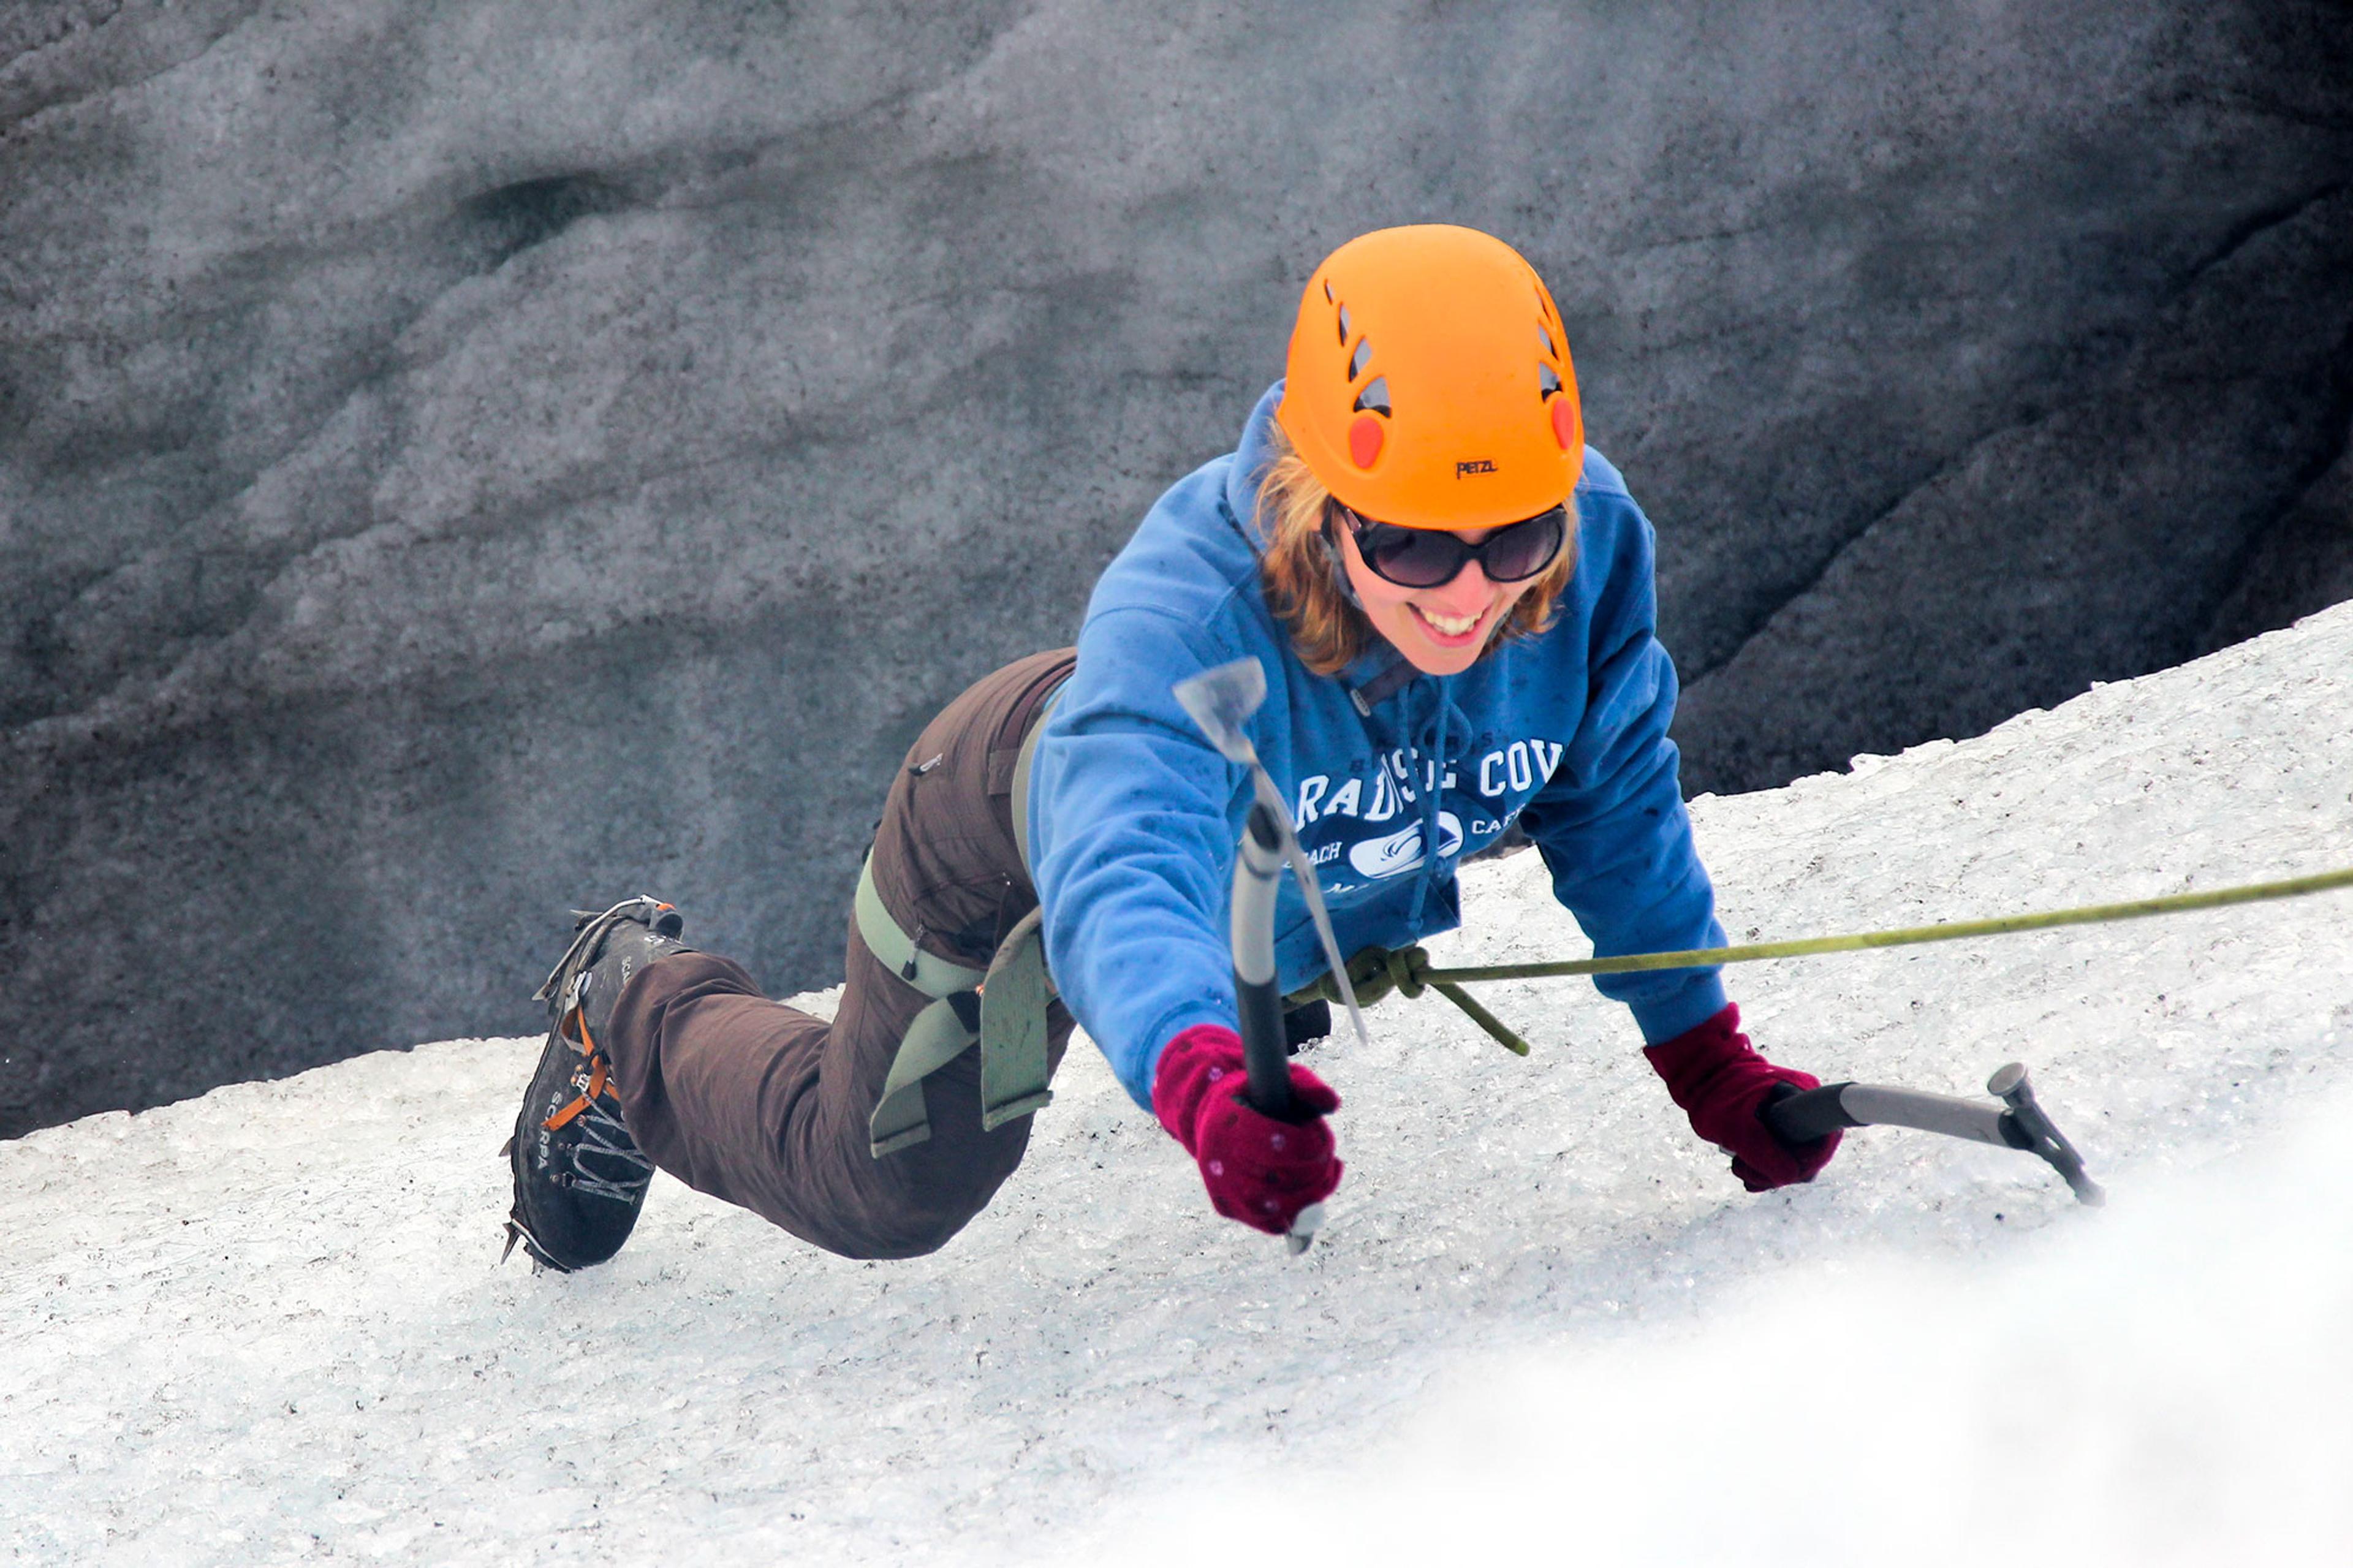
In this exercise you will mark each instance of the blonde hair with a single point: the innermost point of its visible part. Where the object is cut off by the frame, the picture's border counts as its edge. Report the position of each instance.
(1305, 581)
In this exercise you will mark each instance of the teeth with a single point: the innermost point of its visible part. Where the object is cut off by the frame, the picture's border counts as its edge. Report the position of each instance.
(1452, 626)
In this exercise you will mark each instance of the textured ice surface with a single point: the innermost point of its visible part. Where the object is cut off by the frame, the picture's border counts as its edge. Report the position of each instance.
(480, 455)
(264, 1325)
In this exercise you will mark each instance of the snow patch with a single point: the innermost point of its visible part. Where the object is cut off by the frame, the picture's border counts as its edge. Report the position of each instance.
(2167, 1384)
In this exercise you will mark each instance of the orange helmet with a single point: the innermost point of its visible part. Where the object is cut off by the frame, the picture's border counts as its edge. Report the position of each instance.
(1429, 383)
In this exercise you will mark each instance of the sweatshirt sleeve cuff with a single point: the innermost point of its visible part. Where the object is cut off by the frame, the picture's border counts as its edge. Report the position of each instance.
(1155, 1040)
(1686, 1007)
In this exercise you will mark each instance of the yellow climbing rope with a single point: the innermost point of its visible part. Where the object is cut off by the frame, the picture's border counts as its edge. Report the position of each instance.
(1375, 971)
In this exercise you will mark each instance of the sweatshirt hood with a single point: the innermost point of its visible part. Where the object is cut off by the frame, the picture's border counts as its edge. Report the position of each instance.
(1254, 455)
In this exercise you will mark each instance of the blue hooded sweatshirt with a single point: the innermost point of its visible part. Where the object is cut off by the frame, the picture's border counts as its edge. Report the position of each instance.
(1133, 817)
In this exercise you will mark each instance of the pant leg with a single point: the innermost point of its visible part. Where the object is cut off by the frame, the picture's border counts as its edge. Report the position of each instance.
(764, 1106)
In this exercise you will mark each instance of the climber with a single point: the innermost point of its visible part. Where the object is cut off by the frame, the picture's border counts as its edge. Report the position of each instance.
(1451, 596)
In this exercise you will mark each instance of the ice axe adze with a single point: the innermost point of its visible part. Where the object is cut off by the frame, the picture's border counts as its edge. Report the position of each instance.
(1810, 1113)
(1220, 701)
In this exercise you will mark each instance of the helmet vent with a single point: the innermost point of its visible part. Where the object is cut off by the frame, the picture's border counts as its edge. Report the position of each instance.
(1544, 336)
(1329, 298)
(1344, 326)
(1547, 380)
(1375, 399)
(1361, 358)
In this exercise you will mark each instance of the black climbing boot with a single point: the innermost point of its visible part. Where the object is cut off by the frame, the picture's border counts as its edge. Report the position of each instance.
(579, 1179)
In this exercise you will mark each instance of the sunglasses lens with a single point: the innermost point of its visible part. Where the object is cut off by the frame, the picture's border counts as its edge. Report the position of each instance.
(1523, 549)
(1410, 557)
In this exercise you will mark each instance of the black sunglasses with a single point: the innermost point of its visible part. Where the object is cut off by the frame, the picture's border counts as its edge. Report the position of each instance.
(1433, 557)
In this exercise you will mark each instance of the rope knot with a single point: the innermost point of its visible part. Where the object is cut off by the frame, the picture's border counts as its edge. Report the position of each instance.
(1375, 971)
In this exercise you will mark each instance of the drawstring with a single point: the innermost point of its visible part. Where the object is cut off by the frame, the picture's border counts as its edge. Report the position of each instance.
(1433, 786)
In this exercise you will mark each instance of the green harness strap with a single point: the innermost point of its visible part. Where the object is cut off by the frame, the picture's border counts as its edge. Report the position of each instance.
(939, 1034)
(1002, 1007)
(1021, 761)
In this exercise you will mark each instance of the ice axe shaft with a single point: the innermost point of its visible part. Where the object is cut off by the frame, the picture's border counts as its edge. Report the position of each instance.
(1258, 869)
(1221, 700)
(2021, 1124)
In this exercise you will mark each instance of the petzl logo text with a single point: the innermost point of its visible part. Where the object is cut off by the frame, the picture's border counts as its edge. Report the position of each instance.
(1470, 466)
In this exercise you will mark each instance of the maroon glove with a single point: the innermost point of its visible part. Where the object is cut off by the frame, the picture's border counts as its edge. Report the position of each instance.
(1724, 1085)
(1259, 1170)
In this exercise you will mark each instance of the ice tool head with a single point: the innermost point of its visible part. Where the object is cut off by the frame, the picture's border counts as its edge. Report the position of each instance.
(1221, 701)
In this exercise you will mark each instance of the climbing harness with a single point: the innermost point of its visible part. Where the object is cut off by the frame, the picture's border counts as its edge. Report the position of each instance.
(1002, 1007)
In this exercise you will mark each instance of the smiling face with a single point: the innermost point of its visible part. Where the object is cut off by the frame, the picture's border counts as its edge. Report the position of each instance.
(1439, 630)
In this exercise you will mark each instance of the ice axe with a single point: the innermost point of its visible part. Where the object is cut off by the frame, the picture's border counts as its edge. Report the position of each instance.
(1809, 1114)
(1802, 1117)
(1221, 700)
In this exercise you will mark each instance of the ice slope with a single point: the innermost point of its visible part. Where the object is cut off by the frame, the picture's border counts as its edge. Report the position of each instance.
(265, 1326)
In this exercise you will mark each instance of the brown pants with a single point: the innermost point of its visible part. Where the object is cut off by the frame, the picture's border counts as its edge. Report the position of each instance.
(766, 1107)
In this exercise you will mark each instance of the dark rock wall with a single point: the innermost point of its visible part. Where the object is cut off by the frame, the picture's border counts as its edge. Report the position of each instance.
(462, 460)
